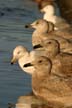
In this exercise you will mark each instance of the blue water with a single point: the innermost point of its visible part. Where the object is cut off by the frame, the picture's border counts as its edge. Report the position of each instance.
(14, 14)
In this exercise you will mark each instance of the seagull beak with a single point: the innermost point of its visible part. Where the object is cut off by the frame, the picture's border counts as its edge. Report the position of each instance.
(28, 65)
(13, 60)
(28, 26)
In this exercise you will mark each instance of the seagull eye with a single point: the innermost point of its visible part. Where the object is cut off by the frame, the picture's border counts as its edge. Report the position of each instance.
(49, 42)
(40, 61)
(19, 52)
(37, 22)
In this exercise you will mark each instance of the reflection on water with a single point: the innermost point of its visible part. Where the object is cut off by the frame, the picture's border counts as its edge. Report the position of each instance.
(14, 14)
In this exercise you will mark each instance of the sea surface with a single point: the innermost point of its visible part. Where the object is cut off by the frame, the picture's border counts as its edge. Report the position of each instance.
(14, 14)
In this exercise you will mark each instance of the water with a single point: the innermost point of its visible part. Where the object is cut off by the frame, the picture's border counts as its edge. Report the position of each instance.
(14, 14)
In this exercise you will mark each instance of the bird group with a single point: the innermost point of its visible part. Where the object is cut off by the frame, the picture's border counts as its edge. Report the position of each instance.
(50, 61)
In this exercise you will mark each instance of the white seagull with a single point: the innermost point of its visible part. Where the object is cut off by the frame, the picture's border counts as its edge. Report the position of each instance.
(45, 30)
(23, 56)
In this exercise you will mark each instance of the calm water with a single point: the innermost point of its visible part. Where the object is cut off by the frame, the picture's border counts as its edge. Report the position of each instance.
(14, 14)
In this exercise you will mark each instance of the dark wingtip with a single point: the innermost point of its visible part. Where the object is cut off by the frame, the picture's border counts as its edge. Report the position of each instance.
(27, 65)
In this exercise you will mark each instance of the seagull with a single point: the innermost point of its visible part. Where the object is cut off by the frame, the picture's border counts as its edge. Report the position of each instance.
(51, 49)
(50, 86)
(23, 56)
(49, 7)
(45, 30)
(64, 6)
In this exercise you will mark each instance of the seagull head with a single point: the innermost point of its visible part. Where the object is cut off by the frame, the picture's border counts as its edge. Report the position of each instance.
(18, 53)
